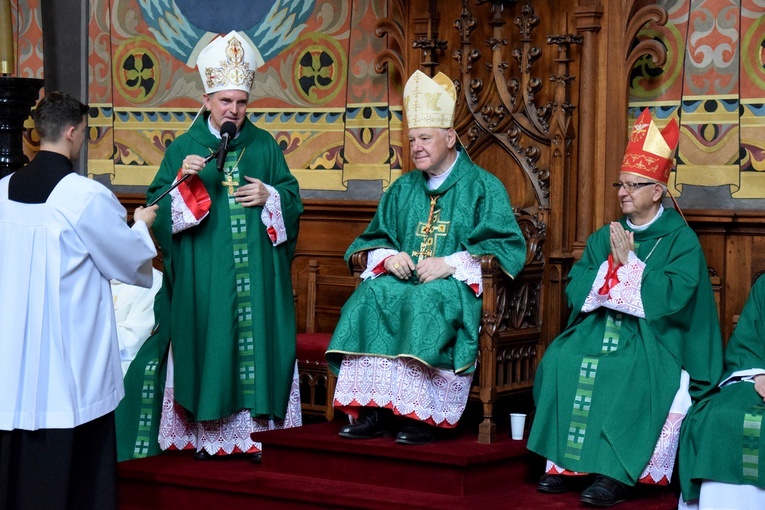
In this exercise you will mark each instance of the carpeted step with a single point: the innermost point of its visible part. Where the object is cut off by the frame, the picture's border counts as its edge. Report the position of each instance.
(312, 467)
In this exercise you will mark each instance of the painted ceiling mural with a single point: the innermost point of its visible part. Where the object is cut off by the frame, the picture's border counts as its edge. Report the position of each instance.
(317, 92)
(713, 83)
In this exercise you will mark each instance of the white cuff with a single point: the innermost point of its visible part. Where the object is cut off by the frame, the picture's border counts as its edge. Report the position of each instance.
(180, 213)
(742, 375)
(467, 269)
(594, 299)
(271, 216)
(625, 296)
(374, 257)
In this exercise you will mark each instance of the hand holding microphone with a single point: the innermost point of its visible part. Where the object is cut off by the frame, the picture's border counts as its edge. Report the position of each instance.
(193, 164)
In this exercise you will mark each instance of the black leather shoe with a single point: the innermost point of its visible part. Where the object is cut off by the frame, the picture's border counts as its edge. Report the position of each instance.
(372, 423)
(202, 455)
(553, 484)
(605, 492)
(416, 434)
(256, 457)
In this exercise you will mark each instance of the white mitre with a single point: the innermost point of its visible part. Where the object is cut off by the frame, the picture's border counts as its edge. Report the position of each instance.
(229, 63)
(429, 102)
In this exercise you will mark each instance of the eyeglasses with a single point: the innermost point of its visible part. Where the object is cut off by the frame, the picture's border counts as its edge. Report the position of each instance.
(631, 187)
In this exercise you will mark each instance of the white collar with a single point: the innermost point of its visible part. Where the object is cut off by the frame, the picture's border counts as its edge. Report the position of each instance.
(640, 228)
(435, 181)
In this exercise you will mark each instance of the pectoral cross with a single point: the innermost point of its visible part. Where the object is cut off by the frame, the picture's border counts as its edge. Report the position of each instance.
(429, 231)
(230, 184)
(423, 253)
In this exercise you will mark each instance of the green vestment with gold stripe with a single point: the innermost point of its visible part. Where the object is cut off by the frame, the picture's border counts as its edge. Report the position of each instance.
(605, 385)
(722, 437)
(226, 303)
(436, 322)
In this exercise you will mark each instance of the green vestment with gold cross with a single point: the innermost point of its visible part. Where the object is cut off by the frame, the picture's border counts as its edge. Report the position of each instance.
(605, 385)
(437, 322)
(723, 436)
(226, 303)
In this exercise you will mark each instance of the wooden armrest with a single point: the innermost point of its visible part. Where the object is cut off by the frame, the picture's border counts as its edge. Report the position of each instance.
(358, 263)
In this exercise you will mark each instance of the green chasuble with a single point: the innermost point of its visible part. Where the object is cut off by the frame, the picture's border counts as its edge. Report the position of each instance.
(605, 386)
(226, 303)
(437, 322)
(721, 438)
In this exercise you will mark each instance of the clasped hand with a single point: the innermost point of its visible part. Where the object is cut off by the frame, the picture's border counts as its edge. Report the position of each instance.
(403, 267)
(622, 243)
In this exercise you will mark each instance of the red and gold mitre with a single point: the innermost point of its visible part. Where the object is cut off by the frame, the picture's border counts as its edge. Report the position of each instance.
(650, 151)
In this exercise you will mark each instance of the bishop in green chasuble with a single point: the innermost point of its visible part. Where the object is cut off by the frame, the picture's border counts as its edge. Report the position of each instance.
(407, 338)
(437, 322)
(225, 338)
(643, 339)
(605, 386)
(722, 447)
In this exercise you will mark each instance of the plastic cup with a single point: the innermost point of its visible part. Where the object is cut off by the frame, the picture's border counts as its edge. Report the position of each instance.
(517, 423)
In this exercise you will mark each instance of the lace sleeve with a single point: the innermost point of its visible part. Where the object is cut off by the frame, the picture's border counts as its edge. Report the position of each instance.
(189, 204)
(467, 269)
(625, 295)
(594, 298)
(272, 218)
(374, 259)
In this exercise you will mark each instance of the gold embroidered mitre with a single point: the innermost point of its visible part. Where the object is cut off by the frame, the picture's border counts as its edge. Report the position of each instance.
(429, 102)
(650, 152)
(228, 63)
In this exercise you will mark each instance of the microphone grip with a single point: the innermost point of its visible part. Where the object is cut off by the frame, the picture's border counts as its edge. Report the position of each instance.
(222, 153)
(209, 158)
(168, 190)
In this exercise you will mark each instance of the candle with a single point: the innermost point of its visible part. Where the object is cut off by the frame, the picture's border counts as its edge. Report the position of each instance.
(7, 60)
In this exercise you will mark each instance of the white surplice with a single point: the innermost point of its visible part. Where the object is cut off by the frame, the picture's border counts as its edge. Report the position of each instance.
(59, 356)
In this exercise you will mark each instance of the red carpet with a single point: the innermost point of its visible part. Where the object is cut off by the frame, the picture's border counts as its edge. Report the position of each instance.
(311, 467)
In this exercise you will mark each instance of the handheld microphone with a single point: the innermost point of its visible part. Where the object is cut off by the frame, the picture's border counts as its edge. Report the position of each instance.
(227, 131)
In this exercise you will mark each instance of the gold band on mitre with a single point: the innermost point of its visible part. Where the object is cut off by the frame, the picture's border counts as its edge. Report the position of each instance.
(429, 102)
(650, 152)
(229, 63)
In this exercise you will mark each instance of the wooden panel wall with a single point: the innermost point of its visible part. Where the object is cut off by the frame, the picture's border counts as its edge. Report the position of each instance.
(734, 245)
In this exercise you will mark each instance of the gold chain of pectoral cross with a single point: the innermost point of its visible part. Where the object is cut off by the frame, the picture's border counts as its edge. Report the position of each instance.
(427, 229)
(229, 182)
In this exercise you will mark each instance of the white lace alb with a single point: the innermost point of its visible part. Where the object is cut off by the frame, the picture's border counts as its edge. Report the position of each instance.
(406, 385)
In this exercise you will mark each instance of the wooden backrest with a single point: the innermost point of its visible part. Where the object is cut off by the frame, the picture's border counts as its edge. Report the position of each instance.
(332, 283)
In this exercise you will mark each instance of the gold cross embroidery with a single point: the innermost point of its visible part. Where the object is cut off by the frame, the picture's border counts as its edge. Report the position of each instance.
(429, 231)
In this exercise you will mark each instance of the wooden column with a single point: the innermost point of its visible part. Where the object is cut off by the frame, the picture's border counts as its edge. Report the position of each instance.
(588, 25)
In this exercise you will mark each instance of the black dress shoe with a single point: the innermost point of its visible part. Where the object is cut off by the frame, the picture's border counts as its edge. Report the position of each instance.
(416, 434)
(256, 457)
(372, 423)
(553, 484)
(605, 492)
(202, 455)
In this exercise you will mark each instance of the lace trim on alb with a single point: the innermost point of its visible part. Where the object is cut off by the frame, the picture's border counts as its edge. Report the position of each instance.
(271, 216)
(466, 269)
(405, 385)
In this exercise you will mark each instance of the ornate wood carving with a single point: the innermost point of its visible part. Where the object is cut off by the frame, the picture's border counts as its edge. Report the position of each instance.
(427, 38)
(393, 27)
